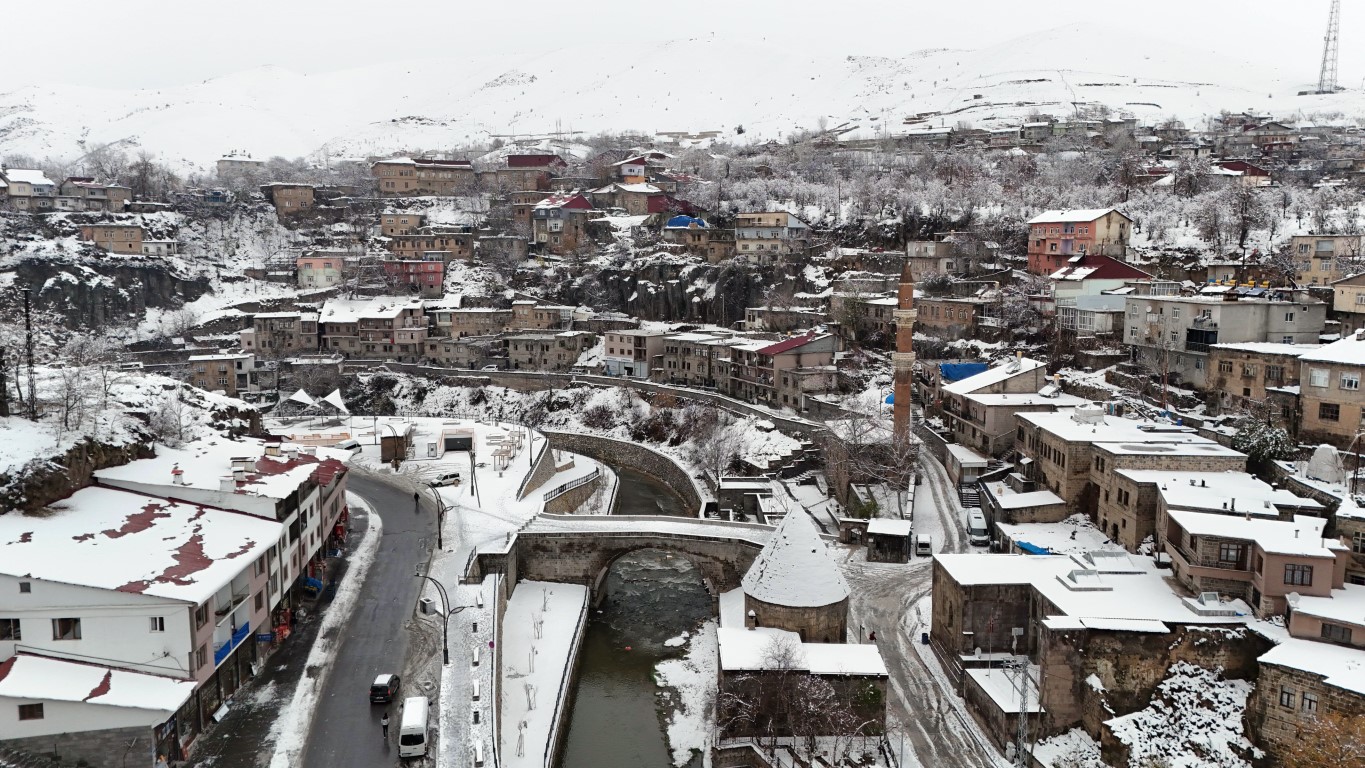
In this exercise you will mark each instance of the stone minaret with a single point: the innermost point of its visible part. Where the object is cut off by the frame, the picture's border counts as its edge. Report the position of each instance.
(903, 359)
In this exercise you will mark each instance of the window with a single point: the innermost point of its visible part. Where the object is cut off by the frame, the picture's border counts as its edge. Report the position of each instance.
(260, 600)
(158, 624)
(1329, 411)
(25, 587)
(201, 615)
(1248, 370)
(1132, 331)
(1287, 698)
(1286, 339)
(9, 630)
(201, 656)
(30, 711)
(1229, 552)
(1298, 575)
(1350, 381)
(1175, 313)
(1358, 542)
(1289, 317)
(1336, 633)
(1225, 366)
(1173, 336)
(1310, 703)
(1360, 298)
(1274, 373)
(1317, 377)
(66, 629)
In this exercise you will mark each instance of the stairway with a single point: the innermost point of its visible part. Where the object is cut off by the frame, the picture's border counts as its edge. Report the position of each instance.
(969, 496)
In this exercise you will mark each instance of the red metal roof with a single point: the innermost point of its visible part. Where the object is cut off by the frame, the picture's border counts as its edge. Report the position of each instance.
(789, 344)
(534, 161)
(1105, 268)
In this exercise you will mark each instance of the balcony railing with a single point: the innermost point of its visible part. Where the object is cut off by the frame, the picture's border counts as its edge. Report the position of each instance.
(224, 649)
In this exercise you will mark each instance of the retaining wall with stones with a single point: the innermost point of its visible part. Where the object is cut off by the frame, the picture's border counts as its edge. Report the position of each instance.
(637, 457)
(583, 558)
(106, 747)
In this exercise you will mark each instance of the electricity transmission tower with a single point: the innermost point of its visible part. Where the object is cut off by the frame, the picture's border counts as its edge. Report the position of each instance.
(1327, 77)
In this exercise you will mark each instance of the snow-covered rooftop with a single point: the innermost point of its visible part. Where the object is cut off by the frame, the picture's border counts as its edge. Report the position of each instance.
(1347, 351)
(1059, 400)
(748, 649)
(1234, 491)
(1109, 429)
(1270, 348)
(1090, 590)
(130, 542)
(27, 676)
(28, 176)
(1300, 536)
(993, 376)
(1341, 666)
(1069, 216)
(352, 310)
(1346, 605)
(795, 568)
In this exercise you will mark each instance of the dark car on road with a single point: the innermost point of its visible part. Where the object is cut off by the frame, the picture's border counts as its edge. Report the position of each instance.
(384, 689)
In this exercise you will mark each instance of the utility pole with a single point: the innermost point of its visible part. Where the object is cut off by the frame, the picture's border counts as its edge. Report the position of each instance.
(4, 386)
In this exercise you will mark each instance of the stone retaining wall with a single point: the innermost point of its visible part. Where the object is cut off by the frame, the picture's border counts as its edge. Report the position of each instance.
(637, 457)
(106, 747)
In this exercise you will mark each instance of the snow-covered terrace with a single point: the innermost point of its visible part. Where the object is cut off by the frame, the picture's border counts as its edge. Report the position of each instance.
(747, 650)
(1216, 491)
(38, 678)
(112, 539)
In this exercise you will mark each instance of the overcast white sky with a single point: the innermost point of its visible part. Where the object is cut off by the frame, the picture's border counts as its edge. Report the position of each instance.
(154, 43)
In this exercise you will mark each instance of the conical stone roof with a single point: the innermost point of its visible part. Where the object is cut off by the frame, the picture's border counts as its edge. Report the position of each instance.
(795, 568)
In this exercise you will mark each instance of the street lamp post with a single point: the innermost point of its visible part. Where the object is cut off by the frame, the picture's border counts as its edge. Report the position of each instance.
(440, 515)
(447, 612)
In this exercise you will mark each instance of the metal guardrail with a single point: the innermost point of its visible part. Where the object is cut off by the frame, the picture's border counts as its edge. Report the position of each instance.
(564, 488)
(564, 684)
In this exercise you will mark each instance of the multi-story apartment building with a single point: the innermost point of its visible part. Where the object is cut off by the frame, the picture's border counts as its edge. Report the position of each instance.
(523, 202)
(527, 172)
(428, 241)
(1324, 259)
(464, 322)
(232, 374)
(980, 410)
(769, 235)
(140, 605)
(947, 253)
(276, 334)
(697, 236)
(557, 351)
(1348, 302)
(532, 315)
(1331, 402)
(950, 317)
(384, 327)
(116, 238)
(779, 373)
(559, 222)
(631, 352)
(29, 190)
(1056, 236)
(425, 275)
(236, 164)
(405, 176)
(289, 199)
(689, 359)
(82, 193)
(321, 269)
(1172, 335)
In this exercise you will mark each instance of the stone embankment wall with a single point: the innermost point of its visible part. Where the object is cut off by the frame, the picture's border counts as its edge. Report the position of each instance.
(637, 457)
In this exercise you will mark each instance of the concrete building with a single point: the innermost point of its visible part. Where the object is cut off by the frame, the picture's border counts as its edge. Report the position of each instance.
(321, 269)
(547, 351)
(1172, 335)
(289, 199)
(559, 222)
(767, 236)
(1056, 236)
(1348, 303)
(280, 334)
(387, 328)
(237, 164)
(980, 410)
(1332, 406)
(1262, 377)
(1325, 259)
(115, 238)
(88, 195)
(232, 374)
(405, 176)
(631, 353)
(393, 223)
(779, 373)
(28, 190)
(425, 275)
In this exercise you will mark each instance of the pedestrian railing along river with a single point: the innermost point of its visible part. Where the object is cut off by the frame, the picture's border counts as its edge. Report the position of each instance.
(561, 696)
(564, 488)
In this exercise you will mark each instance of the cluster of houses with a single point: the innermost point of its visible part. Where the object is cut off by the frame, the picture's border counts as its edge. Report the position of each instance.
(31, 191)
(1188, 558)
(134, 608)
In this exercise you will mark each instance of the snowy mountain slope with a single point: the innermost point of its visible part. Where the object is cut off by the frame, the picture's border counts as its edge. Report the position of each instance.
(696, 84)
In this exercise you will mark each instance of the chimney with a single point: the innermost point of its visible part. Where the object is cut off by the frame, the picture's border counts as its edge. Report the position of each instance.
(750, 620)
(177, 475)
(238, 476)
(227, 484)
(1296, 533)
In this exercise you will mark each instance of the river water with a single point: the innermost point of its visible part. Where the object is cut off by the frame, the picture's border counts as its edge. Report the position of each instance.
(648, 597)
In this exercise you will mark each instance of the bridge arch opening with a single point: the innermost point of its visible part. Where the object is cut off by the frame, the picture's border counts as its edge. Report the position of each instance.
(659, 558)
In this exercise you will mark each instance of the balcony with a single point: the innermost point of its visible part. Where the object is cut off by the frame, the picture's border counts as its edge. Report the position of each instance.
(223, 649)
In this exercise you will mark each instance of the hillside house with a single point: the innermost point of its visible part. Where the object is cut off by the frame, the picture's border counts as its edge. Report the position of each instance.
(631, 352)
(768, 236)
(115, 238)
(1260, 377)
(980, 410)
(559, 222)
(289, 199)
(1324, 259)
(526, 172)
(28, 190)
(82, 193)
(1056, 236)
(1330, 397)
(405, 176)
(281, 334)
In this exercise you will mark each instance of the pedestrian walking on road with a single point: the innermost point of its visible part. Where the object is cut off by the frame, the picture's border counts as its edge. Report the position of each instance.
(384, 723)
(872, 636)
(416, 502)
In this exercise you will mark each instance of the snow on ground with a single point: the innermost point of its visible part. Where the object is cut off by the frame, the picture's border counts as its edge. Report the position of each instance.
(290, 730)
(1074, 535)
(1195, 720)
(543, 625)
(692, 718)
(1073, 749)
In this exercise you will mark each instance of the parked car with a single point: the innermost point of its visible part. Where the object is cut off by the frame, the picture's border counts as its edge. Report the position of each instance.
(384, 689)
(924, 545)
(351, 445)
(447, 478)
(490, 368)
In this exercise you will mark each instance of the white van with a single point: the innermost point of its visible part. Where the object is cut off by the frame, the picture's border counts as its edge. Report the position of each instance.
(351, 445)
(924, 545)
(412, 734)
(978, 534)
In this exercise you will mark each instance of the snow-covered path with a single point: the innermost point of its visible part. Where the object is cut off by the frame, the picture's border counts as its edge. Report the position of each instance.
(893, 601)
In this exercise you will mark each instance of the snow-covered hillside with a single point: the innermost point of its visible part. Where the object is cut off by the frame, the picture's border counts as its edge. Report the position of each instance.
(697, 84)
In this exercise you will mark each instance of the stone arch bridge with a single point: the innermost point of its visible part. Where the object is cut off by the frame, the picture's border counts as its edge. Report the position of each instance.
(579, 549)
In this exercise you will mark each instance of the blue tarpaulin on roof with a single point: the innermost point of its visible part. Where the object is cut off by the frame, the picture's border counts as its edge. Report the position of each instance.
(685, 221)
(951, 372)
(1032, 549)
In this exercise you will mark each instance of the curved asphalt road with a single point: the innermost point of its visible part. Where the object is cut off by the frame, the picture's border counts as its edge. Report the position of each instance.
(345, 729)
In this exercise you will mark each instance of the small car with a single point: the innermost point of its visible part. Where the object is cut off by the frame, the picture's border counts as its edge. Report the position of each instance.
(489, 368)
(351, 445)
(384, 689)
(447, 478)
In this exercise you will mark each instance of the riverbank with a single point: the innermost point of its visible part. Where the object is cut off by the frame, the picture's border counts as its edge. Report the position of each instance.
(689, 695)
